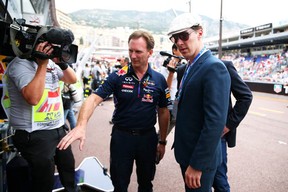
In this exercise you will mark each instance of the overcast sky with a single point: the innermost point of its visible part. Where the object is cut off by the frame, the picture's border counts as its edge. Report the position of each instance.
(250, 12)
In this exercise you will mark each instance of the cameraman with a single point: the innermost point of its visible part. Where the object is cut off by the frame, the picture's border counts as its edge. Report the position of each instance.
(170, 66)
(36, 115)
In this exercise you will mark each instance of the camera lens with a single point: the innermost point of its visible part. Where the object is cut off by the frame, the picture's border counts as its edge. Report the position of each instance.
(65, 55)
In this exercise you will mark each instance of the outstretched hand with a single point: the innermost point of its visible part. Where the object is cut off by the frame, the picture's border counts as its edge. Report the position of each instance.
(78, 133)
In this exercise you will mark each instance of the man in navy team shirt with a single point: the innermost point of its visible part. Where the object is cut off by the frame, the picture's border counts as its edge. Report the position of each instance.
(141, 94)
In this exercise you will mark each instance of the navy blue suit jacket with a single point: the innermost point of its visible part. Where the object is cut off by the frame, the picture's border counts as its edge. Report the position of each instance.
(202, 113)
(243, 97)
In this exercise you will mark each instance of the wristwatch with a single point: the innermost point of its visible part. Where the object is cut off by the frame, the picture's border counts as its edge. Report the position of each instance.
(162, 142)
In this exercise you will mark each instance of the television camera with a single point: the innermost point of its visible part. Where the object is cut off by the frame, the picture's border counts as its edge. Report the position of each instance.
(20, 39)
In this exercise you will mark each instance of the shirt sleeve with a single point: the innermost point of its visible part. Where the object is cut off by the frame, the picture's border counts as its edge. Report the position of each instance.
(165, 98)
(21, 73)
(107, 88)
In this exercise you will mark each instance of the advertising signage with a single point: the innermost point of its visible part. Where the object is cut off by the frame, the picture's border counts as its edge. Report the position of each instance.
(247, 31)
(263, 27)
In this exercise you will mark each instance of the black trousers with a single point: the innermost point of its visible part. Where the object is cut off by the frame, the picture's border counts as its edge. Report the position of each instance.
(127, 147)
(39, 149)
(85, 81)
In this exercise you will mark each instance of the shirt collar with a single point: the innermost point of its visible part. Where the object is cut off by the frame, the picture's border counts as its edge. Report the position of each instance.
(149, 70)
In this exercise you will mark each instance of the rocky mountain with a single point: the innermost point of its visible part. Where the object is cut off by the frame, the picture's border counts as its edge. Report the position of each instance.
(157, 22)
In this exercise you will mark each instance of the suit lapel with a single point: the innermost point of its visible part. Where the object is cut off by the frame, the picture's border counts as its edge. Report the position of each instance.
(193, 69)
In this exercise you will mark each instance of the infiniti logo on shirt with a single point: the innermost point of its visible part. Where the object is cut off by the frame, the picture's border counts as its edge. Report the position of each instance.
(128, 79)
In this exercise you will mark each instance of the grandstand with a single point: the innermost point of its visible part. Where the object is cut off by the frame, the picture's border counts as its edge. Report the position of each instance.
(260, 54)
(263, 39)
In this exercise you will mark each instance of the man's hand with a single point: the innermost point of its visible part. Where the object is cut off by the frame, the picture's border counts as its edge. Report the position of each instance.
(160, 152)
(42, 53)
(193, 178)
(172, 65)
(78, 133)
(225, 130)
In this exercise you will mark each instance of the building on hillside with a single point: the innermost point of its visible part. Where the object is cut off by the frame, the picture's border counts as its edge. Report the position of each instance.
(64, 20)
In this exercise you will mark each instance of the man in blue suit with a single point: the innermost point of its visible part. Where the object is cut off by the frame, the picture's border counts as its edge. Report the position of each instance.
(243, 96)
(203, 101)
(236, 114)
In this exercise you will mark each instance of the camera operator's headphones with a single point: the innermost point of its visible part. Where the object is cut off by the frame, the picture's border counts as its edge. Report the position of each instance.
(19, 40)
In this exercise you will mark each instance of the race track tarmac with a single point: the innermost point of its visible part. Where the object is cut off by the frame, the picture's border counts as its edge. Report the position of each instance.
(259, 162)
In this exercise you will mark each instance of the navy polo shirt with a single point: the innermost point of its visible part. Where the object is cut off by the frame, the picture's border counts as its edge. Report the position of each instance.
(136, 101)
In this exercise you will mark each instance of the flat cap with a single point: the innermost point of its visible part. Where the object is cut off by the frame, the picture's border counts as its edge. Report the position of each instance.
(183, 22)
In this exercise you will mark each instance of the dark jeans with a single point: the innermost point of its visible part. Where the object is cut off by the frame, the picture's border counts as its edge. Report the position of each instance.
(125, 148)
(206, 180)
(69, 115)
(220, 183)
(39, 149)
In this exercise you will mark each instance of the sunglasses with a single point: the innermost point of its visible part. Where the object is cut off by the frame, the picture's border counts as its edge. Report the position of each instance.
(184, 36)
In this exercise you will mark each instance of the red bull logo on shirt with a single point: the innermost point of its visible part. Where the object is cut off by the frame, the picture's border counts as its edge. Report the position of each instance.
(147, 98)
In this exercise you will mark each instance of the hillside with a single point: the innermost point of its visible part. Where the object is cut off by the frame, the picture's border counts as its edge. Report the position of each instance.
(157, 22)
